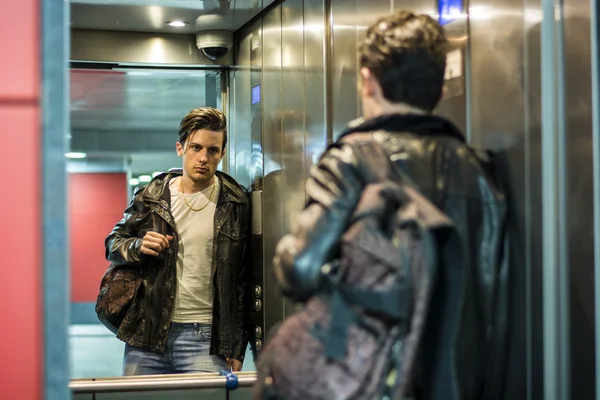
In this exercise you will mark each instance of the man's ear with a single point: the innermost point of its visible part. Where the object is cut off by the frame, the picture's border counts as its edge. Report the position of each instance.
(367, 82)
(179, 148)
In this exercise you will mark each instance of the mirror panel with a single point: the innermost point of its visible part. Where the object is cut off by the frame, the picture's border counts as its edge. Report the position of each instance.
(136, 71)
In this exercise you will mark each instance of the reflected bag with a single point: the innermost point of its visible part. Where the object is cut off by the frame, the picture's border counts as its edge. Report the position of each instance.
(117, 290)
(360, 336)
(120, 285)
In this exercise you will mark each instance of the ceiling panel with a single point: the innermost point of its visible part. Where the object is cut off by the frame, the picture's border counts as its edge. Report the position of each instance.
(151, 16)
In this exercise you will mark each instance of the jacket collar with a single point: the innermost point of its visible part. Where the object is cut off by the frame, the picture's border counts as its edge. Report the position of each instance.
(156, 190)
(413, 123)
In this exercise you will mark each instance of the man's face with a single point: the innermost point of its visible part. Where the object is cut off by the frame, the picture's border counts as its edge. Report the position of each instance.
(201, 155)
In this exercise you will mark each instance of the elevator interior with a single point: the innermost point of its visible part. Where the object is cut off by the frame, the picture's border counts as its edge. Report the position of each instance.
(289, 86)
(134, 72)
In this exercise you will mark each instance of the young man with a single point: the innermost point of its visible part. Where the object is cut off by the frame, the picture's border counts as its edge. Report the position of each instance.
(188, 231)
(402, 63)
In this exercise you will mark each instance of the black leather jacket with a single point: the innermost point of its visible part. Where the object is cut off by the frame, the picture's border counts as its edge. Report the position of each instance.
(147, 324)
(435, 156)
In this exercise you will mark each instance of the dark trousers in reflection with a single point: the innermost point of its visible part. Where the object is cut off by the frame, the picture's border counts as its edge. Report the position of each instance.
(187, 352)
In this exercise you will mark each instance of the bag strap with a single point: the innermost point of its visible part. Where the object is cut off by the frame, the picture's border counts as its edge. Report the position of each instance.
(395, 303)
(149, 306)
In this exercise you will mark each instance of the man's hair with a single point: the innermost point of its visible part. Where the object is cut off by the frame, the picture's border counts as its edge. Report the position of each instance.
(203, 118)
(406, 53)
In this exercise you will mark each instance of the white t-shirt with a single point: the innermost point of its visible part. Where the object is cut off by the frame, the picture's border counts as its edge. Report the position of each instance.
(194, 299)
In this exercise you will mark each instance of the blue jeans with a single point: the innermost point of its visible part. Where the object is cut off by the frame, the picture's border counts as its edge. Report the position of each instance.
(187, 351)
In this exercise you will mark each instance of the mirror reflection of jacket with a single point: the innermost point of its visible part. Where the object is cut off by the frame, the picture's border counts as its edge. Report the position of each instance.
(433, 153)
(146, 324)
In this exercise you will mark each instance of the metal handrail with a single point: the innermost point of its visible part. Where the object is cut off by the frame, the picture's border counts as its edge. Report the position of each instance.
(157, 382)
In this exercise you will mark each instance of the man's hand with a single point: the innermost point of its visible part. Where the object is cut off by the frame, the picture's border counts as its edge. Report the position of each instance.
(153, 243)
(234, 365)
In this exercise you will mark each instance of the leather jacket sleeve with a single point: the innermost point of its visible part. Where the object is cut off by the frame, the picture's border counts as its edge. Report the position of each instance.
(123, 244)
(333, 189)
(242, 279)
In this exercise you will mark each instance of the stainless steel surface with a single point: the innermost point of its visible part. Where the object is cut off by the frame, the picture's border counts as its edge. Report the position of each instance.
(556, 376)
(245, 150)
(54, 109)
(139, 48)
(257, 210)
(344, 70)
(504, 78)
(225, 105)
(291, 120)
(314, 79)
(157, 382)
(272, 153)
(595, 65)
(240, 123)
(578, 330)
(151, 16)
(454, 101)
(506, 93)
(328, 68)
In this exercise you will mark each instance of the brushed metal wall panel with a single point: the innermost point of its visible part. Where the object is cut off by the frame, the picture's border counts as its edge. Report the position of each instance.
(497, 101)
(240, 148)
(579, 197)
(498, 118)
(314, 79)
(418, 7)
(293, 117)
(292, 121)
(273, 215)
(344, 69)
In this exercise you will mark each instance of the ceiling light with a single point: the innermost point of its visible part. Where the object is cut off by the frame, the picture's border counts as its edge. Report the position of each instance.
(145, 178)
(75, 154)
(177, 24)
(134, 181)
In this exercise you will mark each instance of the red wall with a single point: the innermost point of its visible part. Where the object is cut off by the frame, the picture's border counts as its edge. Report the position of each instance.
(20, 238)
(96, 204)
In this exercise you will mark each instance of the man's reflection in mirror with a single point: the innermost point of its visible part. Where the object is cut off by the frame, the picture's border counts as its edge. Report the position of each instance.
(287, 143)
(186, 234)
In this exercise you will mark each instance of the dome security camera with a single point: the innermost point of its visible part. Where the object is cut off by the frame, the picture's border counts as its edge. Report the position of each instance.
(214, 44)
